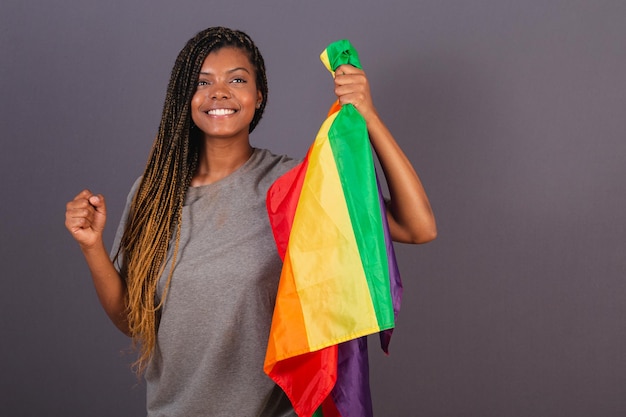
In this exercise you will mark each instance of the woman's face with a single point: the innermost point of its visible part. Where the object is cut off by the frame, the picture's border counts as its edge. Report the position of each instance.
(226, 95)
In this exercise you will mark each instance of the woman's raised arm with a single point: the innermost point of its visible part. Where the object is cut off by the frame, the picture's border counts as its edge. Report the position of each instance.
(410, 216)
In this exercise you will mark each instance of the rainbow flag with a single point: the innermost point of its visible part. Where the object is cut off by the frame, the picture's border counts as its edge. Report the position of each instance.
(339, 281)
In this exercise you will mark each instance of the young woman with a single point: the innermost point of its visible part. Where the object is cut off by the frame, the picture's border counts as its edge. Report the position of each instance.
(195, 269)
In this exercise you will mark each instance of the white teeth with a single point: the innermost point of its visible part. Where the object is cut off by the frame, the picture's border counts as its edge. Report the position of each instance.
(220, 112)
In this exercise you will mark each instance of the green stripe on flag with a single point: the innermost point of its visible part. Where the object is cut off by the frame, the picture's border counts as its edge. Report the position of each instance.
(342, 52)
(349, 142)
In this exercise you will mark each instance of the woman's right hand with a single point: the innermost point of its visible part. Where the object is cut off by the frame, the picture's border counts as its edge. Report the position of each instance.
(85, 217)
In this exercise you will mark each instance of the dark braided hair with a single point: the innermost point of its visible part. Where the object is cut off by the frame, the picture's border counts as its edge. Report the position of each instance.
(156, 210)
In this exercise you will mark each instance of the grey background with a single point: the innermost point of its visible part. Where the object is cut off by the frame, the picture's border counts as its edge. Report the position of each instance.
(511, 111)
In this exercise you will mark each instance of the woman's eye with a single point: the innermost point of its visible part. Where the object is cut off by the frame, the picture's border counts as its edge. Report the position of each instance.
(239, 80)
(201, 83)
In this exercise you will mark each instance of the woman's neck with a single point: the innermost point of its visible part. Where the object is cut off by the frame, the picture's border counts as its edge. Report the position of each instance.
(219, 160)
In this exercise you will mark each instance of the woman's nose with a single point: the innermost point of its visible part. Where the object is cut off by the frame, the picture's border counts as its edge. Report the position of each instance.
(219, 91)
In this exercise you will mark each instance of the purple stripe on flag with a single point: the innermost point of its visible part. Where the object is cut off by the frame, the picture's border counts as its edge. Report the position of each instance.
(395, 282)
(351, 393)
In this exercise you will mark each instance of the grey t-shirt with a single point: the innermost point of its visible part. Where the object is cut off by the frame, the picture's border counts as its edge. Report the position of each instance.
(214, 325)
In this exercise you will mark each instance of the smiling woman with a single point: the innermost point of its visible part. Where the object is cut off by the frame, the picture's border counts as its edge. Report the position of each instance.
(195, 270)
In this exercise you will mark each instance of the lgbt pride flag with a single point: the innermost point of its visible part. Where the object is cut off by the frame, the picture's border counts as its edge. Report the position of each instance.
(339, 281)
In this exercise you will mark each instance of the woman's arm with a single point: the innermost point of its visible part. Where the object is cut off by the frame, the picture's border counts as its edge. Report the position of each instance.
(85, 218)
(410, 216)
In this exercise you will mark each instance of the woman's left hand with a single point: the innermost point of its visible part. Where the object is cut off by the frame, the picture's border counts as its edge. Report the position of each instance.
(351, 86)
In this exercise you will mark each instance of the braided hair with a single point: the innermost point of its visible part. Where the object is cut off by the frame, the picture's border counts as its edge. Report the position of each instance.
(156, 209)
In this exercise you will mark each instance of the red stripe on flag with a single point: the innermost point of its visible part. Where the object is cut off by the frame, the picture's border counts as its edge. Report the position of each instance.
(307, 379)
(282, 201)
(329, 409)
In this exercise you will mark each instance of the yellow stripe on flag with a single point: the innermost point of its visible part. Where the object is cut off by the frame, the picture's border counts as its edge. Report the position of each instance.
(324, 256)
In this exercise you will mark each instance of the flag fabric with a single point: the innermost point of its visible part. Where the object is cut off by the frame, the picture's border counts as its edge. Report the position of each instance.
(339, 281)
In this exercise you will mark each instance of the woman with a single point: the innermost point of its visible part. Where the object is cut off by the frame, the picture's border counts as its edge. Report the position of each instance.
(195, 269)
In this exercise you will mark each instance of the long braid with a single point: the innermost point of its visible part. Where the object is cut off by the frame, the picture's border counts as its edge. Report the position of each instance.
(156, 210)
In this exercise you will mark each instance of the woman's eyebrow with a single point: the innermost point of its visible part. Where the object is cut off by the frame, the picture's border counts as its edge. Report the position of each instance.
(229, 71)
